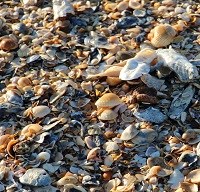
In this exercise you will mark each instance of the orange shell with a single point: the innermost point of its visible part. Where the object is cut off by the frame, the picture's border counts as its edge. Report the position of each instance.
(108, 100)
(8, 44)
(162, 35)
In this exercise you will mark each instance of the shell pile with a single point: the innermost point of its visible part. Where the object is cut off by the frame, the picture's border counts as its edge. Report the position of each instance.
(99, 96)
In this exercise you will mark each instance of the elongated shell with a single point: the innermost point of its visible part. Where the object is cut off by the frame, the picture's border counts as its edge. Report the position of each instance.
(162, 35)
(108, 100)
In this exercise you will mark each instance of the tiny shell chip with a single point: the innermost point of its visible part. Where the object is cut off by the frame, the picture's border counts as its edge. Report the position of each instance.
(150, 114)
(185, 70)
(129, 133)
(194, 176)
(110, 146)
(108, 100)
(133, 70)
(108, 114)
(181, 102)
(61, 8)
(40, 111)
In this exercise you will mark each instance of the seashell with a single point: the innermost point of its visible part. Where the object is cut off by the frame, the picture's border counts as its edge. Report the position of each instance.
(135, 4)
(153, 171)
(138, 65)
(112, 81)
(112, 184)
(90, 144)
(110, 7)
(181, 102)
(152, 152)
(133, 70)
(175, 179)
(193, 176)
(139, 12)
(189, 187)
(23, 82)
(94, 57)
(14, 98)
(93, 153)
(191, 136)
(129, 133)
(7, 43)
(145, 136)
(189, 157)
(108, 100)
(31, 130)
(9, 147)
(107, 115)
(127, 22)
(152, 81)
(110, 146)
(40, 111)
(68, 178)
(61, 8)
(122, 6)
(170, 160)
(150, 114)
(43, 157)
(185, 70)
(20, 28)
(162, 35)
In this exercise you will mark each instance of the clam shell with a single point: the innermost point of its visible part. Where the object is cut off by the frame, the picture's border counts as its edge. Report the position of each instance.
(31, 129)
(108, 114)
(43, 157)
(194, 176)
(110, 146)
(108, 100)
(40, 111)
(112, 81)
(175, 179)
(163, 35)
(24, 81)
(69, 178)
(189, 187)
(129, 133)
(8, 43)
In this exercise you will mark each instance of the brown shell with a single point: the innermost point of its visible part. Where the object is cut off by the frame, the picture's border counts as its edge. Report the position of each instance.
(113, 81)
(9, 147)
(162, 35)
(23, 82)
(108, 100)
(107, 114)
(8, 44)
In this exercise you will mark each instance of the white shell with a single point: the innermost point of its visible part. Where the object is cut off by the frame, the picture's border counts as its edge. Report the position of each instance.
(129, 133)
(110, 146)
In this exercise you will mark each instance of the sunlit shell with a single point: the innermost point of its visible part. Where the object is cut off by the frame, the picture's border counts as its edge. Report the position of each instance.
(112, 184)
(72, 187)
(129, 133)
(31, 130)
(135, 4)
(122, 6)
(112, 81)
(43, 157)
(69, 178)
(146, 55)
(9, 147)
(153, 172)
(8, 44)
(4, 140)
(189, 187)
(162, 35)
(93, 153)
(110, 146)
(40, 111)
(175, 179)
(108, 100)
(194, 176)
(107, 114)
(23, 82)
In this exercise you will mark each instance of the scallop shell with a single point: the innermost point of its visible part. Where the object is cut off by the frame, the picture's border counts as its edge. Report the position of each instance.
(129, 133)
(108, 100)
(108, 114)
(194, 176)
(40, 111)
(162, 35)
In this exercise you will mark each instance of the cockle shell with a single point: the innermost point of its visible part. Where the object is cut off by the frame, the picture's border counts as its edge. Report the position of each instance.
(108, 100)
(40, 111)
(162, 35)
(107, 114)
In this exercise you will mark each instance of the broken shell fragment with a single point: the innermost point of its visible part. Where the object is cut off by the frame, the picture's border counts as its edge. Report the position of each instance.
(40, 111)
(129, 133)
(108, 100)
